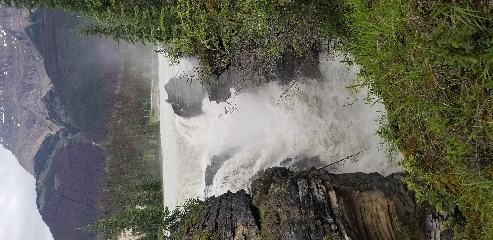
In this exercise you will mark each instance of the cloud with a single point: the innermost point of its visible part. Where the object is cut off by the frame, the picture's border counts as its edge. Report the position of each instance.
(19, 216)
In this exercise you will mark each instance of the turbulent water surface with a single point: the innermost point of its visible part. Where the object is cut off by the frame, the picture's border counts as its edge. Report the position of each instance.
(261, 127)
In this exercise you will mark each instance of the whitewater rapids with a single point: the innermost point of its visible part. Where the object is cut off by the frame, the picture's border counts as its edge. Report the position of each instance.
(268, 124)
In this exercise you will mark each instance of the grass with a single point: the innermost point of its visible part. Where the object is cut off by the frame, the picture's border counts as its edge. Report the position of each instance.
(431, 64)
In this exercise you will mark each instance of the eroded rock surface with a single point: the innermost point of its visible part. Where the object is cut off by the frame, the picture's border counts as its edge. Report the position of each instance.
(230, 216)
(320, 205)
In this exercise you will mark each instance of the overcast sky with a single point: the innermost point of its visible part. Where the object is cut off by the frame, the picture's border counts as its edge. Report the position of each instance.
(19, 216)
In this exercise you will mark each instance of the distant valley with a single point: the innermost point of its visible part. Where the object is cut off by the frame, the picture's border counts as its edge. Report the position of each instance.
(57, 92)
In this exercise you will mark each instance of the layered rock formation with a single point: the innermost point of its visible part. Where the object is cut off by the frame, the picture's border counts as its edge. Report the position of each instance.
(319, 205)
(24, 120)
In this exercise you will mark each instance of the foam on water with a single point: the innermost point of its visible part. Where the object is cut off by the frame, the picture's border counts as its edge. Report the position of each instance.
(269, 124)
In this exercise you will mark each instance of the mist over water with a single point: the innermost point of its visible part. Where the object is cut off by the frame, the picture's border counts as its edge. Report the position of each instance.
(259, 128)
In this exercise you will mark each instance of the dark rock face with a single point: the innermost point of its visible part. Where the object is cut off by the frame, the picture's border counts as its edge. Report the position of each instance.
(291, 65)
(247, 71)
(216, 164)
(185, 96)
(319, 205)
(256, 70)
(229, 216)
(218, 87)
(298, 163)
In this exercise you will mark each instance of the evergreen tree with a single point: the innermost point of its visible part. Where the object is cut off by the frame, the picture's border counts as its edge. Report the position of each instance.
(213, 30)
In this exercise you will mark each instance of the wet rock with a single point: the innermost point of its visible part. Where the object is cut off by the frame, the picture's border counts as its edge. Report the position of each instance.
(250, 70)
(185, 96)
(316, 204)
(218, 87)
(229, 216)
(217, 162)
(257, 70)
(301, 162)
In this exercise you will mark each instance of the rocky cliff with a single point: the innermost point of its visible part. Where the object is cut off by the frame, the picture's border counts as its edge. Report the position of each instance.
(248, 71)
(24, 83)
(319, 205)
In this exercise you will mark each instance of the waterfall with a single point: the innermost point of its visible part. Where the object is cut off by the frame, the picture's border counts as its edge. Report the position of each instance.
(261, 127)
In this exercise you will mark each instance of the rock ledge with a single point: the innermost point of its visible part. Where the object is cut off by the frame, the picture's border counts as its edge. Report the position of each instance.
(320, 205)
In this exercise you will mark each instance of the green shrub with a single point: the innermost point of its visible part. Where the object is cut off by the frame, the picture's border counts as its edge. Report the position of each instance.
(430, 64)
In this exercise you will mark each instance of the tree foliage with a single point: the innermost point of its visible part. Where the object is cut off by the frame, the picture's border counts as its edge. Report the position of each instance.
(143, 213)
(131, 198)
(216, 31)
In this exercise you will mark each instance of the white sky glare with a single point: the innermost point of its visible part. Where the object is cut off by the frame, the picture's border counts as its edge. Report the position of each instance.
(19, 216)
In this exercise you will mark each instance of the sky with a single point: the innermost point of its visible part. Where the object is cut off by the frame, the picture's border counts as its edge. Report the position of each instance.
(19, 216)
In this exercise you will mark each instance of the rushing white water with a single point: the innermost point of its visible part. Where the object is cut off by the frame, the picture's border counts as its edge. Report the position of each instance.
(313, 118)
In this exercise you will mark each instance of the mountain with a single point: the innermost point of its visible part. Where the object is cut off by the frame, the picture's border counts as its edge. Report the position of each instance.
(56, 93)
(24, 122)
(70, 164)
